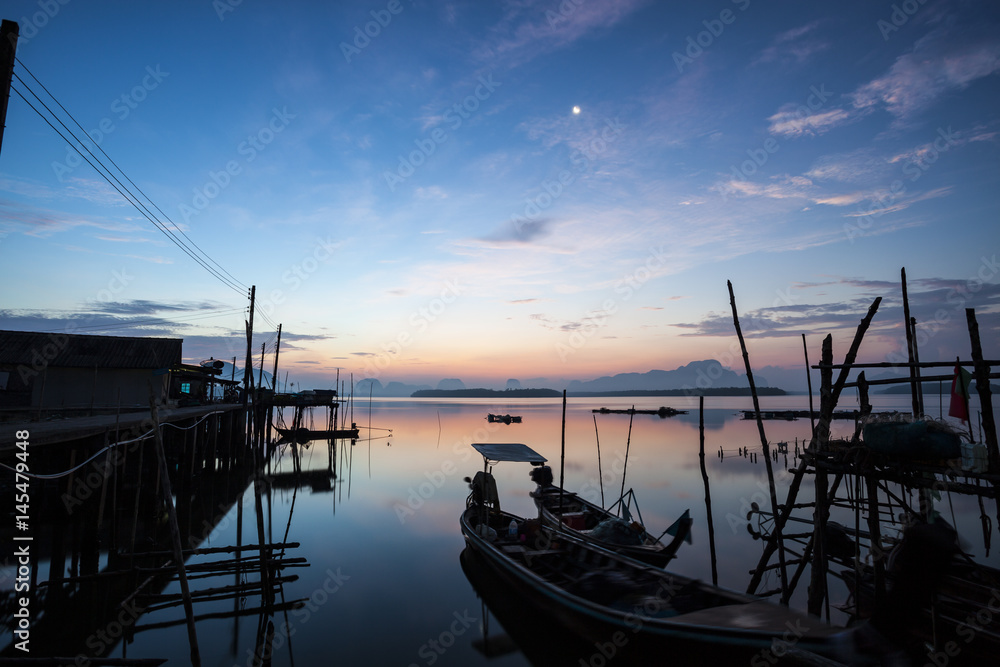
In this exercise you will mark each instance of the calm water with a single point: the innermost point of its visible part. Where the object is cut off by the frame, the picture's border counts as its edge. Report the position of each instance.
(385, 583)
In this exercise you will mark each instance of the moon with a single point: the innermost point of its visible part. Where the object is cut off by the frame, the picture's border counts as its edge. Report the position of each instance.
(576, 111)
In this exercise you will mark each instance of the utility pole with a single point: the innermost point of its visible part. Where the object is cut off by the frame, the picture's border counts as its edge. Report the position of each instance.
(274, 375)
(247, 368)
(8, 47)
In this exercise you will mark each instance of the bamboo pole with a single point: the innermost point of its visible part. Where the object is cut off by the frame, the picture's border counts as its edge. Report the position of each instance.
(914, 386)
(817, 583)
(763, 438)
(809, 384)
(982, 374)
(708, 492)
(562, 457)
(915, 369)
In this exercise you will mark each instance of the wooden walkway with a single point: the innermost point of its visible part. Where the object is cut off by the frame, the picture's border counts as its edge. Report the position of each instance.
(76, 428)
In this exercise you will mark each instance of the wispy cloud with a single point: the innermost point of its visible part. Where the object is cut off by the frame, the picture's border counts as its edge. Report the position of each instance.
(945, 60)
(532, 28)
(793, 46)
(790, 122)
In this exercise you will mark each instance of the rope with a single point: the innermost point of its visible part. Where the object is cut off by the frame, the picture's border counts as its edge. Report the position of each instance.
(144, 436)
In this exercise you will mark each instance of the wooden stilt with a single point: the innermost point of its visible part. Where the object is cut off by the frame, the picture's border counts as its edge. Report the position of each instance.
(763, 440)
(174, 532)
(708, 492)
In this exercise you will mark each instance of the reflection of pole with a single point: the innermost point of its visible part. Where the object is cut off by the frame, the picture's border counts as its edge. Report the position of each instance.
(628, 443)
(708, 493)
(562, 456)
(600, 476)
(175, 534)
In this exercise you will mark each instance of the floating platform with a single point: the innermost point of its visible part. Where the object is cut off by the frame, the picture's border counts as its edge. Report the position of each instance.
(662, 412)
(306, 435)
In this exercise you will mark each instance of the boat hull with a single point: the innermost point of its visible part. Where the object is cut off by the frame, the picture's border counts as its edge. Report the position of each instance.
(657, 620)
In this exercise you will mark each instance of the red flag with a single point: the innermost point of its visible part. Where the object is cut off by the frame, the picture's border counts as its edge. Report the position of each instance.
(960, 394)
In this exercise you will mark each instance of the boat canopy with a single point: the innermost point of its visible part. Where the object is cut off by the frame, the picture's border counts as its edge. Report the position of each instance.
(508, 451)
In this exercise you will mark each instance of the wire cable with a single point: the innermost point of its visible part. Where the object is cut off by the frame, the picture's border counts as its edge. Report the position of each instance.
(109, 176)
(122, 172)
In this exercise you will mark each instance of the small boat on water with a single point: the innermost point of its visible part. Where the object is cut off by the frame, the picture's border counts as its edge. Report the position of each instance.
(592, 522)
(503, 419)
(635, 611)
(301, 435)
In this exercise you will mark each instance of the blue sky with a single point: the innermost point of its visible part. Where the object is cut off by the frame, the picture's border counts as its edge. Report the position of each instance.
(414, 195)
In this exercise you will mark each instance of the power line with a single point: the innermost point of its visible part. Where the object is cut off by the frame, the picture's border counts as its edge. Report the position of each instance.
(177, 227)
(131, 198)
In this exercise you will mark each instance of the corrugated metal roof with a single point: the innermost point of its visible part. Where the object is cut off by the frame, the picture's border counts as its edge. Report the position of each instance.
(84, 351)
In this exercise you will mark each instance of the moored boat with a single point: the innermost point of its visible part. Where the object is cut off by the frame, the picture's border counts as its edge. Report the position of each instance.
(590, 521)
(610, 601)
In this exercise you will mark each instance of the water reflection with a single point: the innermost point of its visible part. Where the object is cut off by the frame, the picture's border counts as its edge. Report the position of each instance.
(378, 525)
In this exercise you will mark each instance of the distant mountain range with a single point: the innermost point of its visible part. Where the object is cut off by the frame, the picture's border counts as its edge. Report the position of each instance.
(708, 375)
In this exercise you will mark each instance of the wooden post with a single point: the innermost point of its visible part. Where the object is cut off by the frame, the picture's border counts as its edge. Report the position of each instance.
(916, 366)
(809, 384)
(776, 534)
(982, 373)
(817, 584)
(274, 374)
(8, 49)
(562, 456)
(914, 387)
(708, 493)
(175, 535)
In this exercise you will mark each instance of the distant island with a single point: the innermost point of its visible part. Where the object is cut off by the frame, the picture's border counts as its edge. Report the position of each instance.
(711, 391)
(479, 392)
(552, 393)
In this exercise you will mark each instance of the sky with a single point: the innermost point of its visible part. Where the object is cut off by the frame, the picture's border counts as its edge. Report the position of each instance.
(521, 189)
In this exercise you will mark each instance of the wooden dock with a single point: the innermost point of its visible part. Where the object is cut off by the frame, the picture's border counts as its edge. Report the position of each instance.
(76, 428)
